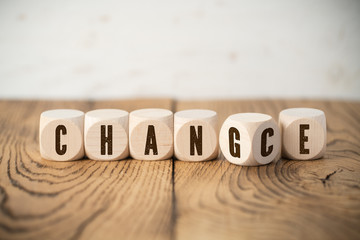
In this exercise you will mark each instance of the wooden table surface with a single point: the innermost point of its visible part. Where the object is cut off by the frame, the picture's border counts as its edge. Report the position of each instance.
(132, 199)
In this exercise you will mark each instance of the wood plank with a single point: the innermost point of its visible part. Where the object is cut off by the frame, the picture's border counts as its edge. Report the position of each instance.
(211, 200)
(317, 199)
(85, 199)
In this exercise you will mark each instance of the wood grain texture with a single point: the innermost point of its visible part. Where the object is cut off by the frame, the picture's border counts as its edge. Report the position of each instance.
(130, 199)
(317, 199)
(86, 199)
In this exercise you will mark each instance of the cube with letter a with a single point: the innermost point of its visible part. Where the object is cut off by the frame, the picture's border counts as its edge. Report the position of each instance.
(151, 134)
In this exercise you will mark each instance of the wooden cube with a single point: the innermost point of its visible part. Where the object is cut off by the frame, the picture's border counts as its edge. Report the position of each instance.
(250, 139)
(61, 134)
(151, 134)
(303, 133)
(106, 134)
(195, 135)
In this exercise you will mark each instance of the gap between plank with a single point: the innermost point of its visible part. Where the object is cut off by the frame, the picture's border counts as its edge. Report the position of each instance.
(173, 196)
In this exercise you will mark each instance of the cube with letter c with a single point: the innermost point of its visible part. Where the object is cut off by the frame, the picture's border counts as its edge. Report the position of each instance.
(61, 134)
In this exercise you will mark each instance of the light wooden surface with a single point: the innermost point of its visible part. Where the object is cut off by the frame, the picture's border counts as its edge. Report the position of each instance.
(131, 199)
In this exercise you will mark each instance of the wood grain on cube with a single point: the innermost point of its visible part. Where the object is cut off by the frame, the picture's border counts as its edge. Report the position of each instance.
(195, 135)
(303, 133)
(61, 134)
(250, 139)
(151, 134)
(106, 134)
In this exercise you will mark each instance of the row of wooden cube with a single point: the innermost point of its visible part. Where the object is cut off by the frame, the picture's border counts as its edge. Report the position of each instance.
(191, 135)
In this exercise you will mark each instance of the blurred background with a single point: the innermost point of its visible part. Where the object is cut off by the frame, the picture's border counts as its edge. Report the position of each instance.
(181, 49)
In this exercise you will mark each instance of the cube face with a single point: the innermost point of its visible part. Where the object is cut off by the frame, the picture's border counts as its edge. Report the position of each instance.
(303, 133)
(106, 134)
(250, 139)
(195, 135)
(151, 134)
(61, 135)
(235, 143)
(266, 142)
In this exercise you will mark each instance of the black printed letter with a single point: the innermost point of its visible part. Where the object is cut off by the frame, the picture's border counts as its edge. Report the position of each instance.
(195, 141)
(303, 138)
(267, 152)
(234, 147)
(151, 141)
(105, 140)
(59, 150)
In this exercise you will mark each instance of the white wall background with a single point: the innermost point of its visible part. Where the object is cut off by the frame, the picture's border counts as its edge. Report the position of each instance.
(182, 49)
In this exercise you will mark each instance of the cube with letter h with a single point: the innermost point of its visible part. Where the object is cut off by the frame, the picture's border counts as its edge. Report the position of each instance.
(106, 134)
